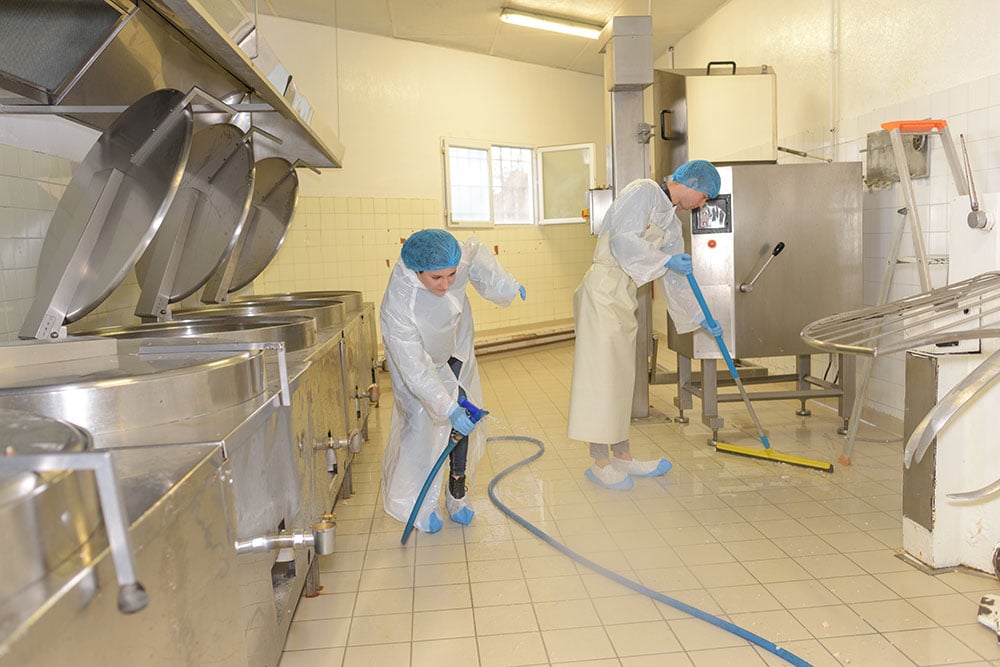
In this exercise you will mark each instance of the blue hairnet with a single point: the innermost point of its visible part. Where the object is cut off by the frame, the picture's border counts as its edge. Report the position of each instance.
(431, 250)
(699, 175)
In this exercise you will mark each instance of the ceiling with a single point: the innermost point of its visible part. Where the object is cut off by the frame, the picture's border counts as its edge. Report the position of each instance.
(474, 25)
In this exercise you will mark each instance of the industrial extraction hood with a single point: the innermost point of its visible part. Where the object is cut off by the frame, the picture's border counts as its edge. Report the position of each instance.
(86, 60)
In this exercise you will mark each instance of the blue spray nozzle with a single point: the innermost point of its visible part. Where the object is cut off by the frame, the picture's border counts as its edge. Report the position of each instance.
(475, 414)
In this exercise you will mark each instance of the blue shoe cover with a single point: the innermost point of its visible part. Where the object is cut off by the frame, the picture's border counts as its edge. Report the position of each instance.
(623, 485)
(458, 510)
(662, 468)
(463, 516)
(434, 523)
(636, 468)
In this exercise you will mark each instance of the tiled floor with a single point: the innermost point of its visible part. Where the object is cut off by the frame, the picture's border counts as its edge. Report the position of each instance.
(805, 559)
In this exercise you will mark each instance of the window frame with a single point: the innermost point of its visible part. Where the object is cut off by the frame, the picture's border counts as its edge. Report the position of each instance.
(449, 219)
(532, 185)
(591, 150)
(537, 185)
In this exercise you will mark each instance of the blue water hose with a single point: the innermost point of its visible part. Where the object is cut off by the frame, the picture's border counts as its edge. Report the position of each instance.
(787, 656)
(475, 414)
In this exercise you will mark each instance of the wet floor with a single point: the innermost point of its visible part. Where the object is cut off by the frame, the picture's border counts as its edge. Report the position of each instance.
(805, 559)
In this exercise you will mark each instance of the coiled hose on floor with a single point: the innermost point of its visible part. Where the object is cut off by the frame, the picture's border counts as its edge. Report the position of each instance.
(639, 588)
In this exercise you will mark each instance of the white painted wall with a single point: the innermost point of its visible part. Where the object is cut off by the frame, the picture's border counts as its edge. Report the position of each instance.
(392, 101)
(889, 50)
(49, 135)
(849, 65)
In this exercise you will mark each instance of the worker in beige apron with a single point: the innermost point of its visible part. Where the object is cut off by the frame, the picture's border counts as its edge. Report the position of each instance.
(640, 241)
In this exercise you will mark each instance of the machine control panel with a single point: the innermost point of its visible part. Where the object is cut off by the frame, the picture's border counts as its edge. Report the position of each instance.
(715, 217)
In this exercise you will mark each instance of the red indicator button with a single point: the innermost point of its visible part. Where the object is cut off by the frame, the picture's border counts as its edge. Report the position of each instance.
(711, 243)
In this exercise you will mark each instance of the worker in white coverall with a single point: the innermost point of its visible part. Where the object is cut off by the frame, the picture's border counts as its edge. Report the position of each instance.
(427, 331)
(640, 241)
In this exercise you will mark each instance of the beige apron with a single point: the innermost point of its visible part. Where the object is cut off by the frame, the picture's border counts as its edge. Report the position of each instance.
(604, 311)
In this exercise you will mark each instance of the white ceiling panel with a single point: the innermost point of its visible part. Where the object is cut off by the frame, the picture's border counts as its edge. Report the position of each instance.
(519, 43)
(474, 25)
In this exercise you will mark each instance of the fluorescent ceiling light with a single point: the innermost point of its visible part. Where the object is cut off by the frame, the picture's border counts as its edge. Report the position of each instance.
(552, 24)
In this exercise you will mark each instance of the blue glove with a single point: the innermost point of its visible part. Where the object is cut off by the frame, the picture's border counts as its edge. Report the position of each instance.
(714, 331)
(460, 421)
(523, 292)
(680, 263)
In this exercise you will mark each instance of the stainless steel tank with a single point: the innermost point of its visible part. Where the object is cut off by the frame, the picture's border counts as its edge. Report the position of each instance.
(178, 501)
(327, 312)
(354, 362)
(213, 434)
(112, 394)
(359, 351)
(145, 398)
(46, 517)
(351, 299)
(297, 332)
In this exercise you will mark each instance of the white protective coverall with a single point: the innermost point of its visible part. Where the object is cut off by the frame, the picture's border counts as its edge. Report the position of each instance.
(420, 332)
(640, 232)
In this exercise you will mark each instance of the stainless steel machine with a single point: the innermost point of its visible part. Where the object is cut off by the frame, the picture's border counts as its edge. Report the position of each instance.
(722, 113)
(778, 248)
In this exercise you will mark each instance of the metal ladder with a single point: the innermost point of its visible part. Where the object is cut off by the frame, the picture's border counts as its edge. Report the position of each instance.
(897, 130)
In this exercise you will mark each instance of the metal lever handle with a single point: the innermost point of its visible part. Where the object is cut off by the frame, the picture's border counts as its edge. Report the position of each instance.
(747, 287)
(976, 219)
(973, 199)
(132, 596)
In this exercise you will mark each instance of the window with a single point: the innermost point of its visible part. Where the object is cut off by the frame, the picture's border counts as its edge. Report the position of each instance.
(565, 173)
(513, 202)
(468, 171)
(491, 184)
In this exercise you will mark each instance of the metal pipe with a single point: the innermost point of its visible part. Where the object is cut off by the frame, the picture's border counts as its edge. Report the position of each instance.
(293, 540)
(524, 341)
(803, 154)
(320, 538)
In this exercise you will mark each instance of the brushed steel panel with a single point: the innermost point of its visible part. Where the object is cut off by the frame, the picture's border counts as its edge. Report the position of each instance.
(918, 479)
(815, 210)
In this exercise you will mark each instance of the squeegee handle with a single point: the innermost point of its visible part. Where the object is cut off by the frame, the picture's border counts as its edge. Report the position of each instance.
(711, 323)
(729, 360)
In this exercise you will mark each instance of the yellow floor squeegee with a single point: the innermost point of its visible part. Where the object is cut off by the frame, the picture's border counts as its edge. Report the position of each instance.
(767, 453)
